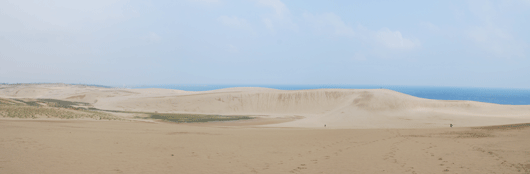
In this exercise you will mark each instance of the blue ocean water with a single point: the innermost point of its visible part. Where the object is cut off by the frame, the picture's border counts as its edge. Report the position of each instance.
(489, 95)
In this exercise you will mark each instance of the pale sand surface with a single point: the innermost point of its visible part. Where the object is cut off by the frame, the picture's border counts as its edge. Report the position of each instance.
(337, 108)
(80, 146)
(368, 131)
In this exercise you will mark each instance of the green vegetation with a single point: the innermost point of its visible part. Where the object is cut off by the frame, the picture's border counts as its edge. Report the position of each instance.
(7, 102)
(31, 109)
(180, 118)
(62, 103)
(505, 127)
(31, 103)
(190, 118)
(96, 109)
(52, 108)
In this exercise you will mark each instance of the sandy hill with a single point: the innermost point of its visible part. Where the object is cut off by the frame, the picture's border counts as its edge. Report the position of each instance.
(337, 108)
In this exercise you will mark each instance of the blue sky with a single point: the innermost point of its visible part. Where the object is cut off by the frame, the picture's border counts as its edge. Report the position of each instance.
(120, 42)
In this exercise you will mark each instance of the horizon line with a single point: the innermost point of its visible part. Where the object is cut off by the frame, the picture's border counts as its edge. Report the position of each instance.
(323, 86)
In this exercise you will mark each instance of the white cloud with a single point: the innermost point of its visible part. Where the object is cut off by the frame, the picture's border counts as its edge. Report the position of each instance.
(330, 19)
(232, 48)
(268, 24)
(153, 37)
(491, 35)
(482, 9)
(280, 18)
(359, 57)
(64, 14)
(394, 39)
(207, 1)
(431, 27)
(497, 41)
(331, 23)
(278, 6)
(234, 22)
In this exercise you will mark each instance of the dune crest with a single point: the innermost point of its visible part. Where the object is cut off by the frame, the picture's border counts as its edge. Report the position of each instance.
(337, 108)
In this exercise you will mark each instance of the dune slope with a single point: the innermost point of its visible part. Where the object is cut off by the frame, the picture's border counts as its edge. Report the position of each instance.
(337, 108)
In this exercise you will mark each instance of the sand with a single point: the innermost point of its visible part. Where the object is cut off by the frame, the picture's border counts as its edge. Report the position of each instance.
(62, 146)
(337, 108)
(368, 131)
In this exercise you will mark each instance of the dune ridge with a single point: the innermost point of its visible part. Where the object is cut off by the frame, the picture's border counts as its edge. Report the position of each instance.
(337, 108)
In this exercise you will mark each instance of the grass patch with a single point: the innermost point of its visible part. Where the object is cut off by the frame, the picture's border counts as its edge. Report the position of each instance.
(6, 102)
(96, 109)
(17, 111)
(32, 109)
(192, 118)
(32, 103)
(471, 134)
(505, 127)
(62, 103)
(138, 117)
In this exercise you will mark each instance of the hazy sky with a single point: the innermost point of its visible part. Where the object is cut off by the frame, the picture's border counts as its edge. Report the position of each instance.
(115, 42)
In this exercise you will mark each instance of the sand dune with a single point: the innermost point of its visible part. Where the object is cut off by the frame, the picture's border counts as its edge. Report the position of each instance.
(299, 145)
(337, 108)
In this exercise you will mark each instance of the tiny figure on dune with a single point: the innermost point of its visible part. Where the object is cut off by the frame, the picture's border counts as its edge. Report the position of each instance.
(451, 125)
(324, 125)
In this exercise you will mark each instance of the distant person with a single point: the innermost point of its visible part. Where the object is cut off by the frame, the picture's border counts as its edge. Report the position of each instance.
(324, 125)
(451, 125)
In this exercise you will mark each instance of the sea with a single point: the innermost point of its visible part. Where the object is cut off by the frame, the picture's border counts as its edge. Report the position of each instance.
(505, 96)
